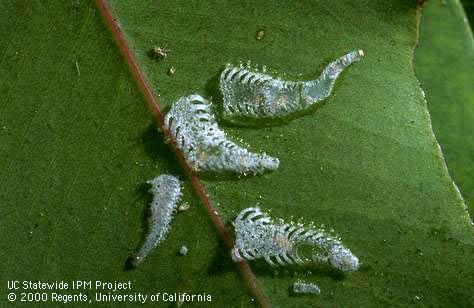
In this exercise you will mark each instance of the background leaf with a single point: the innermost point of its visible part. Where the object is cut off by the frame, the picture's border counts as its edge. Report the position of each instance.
(444, 63)
(469, 9)
(78, 144)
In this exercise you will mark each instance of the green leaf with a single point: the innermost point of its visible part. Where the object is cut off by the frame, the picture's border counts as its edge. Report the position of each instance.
(77, 144)
(366, 163)
(444, 64)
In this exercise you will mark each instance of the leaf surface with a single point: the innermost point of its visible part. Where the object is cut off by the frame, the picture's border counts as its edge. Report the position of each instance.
(366, 163)
(77, 144)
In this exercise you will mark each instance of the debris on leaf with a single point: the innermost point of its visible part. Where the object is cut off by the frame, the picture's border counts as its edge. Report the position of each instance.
(183, 207)
(260, 34)
(171, 71)
(183, 250)
(160, 52)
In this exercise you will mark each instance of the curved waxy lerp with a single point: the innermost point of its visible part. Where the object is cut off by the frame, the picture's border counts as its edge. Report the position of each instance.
(248, 94)
(166, 190)
(257, 236)
(205, 146)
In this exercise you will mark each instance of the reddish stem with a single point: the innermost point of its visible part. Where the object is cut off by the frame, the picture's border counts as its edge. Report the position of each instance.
(201, 191)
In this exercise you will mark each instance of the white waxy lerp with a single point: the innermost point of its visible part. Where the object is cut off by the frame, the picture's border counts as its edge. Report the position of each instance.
(302, 287)
(249, 94)
(257, 236)
(205, 146)
(166, 190)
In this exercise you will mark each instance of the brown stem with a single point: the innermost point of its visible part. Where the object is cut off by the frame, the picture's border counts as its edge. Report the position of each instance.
(201, 191)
